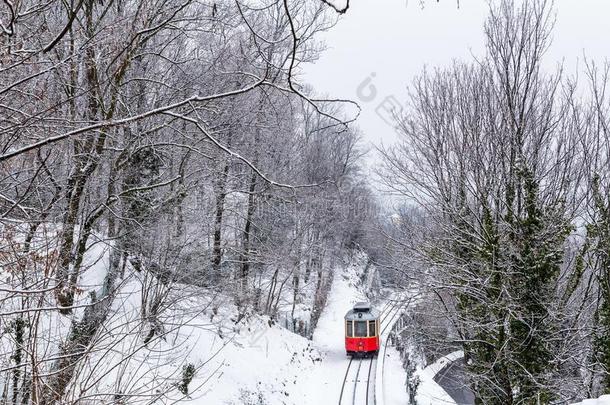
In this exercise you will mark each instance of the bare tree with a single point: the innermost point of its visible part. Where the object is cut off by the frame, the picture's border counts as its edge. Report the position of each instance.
(492, 153)
(150, 156)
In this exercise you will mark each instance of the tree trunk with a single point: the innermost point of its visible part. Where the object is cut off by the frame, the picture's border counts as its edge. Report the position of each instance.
(221, 195)
(245, 256)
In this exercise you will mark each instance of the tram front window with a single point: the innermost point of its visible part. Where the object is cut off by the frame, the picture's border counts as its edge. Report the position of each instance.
(360, 329)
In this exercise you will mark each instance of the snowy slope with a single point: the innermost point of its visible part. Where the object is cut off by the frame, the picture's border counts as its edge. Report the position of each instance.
(261, 364)
(243, 363)
(603, 400)
(235, 363)
(252, 362)
(329, 339)
(264, 364)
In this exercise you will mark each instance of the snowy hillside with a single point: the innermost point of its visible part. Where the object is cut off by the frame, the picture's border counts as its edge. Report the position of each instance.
(258, 363)
(603, 400)
(197, 348)
(252, 362)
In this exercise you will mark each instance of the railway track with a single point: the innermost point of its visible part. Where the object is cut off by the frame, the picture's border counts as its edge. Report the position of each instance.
(351, 360)
(386, 321)
(359, 383)
(390, 317)
(391, 309)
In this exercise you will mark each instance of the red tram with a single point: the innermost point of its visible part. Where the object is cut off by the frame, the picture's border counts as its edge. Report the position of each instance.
(362, 330)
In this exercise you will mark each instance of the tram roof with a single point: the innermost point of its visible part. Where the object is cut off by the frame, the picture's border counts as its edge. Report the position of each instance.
(362, 311)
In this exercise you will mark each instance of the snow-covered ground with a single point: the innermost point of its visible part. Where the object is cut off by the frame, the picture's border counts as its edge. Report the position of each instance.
(264, 364)
(429, 392)
(328, 339)
(270, 365)
(251, 362)
(323, 384)
(284, 368)
(603, 400)
(393, 387)
(237, 364)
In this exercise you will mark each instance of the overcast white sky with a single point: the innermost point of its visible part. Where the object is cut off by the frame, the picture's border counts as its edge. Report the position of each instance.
(394, 39)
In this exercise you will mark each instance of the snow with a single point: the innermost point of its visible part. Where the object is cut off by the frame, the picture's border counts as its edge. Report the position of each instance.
(391, 377)
(256, 362)
(429, 392)
(267, 362)
(393, 388)
(322, 383)
(252, 362)
(329, 339)
(95, 262)
(603, 400)
(235, 363)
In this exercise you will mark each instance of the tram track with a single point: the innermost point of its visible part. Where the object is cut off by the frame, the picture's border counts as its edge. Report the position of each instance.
(351, 360)
(362, 391)
(388, 322)
(368, 381)
(356, 382)
(391, 313)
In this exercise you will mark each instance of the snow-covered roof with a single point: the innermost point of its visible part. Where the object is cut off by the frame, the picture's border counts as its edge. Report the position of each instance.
(362, 311)
(362, 306)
